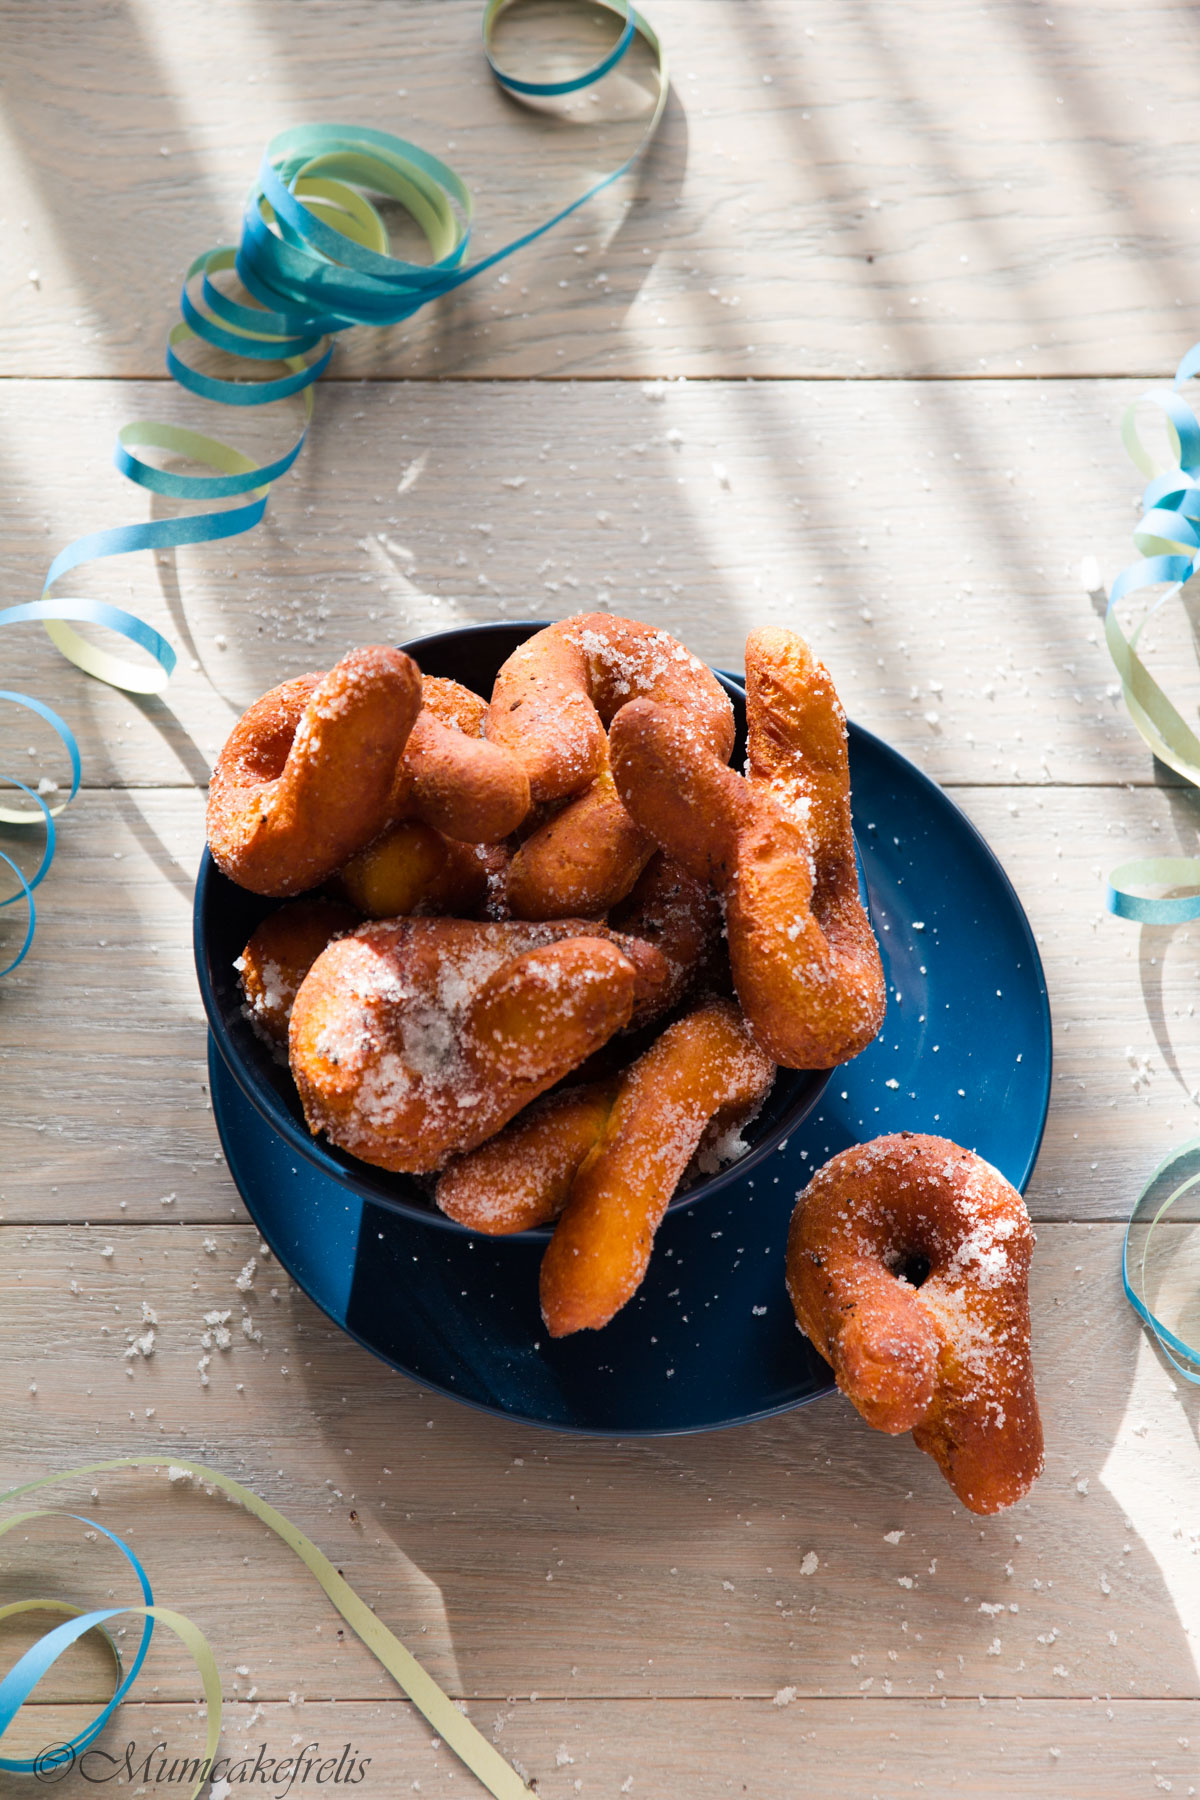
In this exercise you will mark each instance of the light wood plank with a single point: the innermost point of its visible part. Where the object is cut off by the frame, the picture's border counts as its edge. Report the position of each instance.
(105, 1018)
(1006, 1751)
(926, 537)
(512, 1560)
(835, 190)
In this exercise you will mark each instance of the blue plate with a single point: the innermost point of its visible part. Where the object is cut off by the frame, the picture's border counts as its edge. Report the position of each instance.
(710, 1339)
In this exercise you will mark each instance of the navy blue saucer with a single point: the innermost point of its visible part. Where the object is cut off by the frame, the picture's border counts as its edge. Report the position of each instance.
(710, 1338)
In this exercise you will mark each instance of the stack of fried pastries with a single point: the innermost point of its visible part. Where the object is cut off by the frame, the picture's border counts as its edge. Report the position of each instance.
(550, 948)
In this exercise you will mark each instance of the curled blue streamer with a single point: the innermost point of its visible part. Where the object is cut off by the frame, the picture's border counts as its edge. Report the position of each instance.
(310, 281)
(29, 1669)
(44, 817)
(1172, 1345)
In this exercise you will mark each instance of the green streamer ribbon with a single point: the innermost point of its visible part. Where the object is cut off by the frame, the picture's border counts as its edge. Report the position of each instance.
(451, 1725)
(1168, 537)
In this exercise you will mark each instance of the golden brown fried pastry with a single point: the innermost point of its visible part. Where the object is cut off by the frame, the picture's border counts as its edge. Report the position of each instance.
(414, 869)
(451, 777)
(706, 1066)
(778, 846)
(552, 700)
(416, 1039)
(305, 778)
(678, 915)
(522, 1176)
(908, 1267)
(279, 956)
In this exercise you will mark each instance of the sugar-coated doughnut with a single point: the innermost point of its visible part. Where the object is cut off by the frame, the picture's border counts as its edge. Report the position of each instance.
(908, 1268)
(550, 705)
(415, 1039)
(451, 778)
(776, 844)
(306, 776)
(522, 1177)
(279, 956)
(706, 1066)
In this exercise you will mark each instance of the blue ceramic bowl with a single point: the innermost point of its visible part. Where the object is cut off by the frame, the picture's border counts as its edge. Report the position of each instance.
(225, 916)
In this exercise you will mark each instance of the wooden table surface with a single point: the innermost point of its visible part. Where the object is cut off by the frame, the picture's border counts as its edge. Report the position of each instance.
(899, 270)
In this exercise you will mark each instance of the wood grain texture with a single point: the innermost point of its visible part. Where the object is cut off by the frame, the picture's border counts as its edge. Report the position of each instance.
(1007, 1750)
(846, 202)
(514, 1560)
(926, 537)
(838, 188)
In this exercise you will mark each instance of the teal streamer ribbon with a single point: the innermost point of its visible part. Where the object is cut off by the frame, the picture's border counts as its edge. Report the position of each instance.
(1173, 1346)
(44, 816)
(315, 258)
(1168, 537)
(28, 1670)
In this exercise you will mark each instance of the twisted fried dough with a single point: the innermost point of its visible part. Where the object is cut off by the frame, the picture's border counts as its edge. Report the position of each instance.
(305, 777)
(414, 869)
(678, 915)
(706, 1066)
(583, 860)
(279, 956)
(415, 1039)
(451, 777)
(550, 705)
(778, 846)
(948, 1359)
(522, 1177)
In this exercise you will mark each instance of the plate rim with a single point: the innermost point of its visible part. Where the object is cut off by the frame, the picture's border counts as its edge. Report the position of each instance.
(606, 1432)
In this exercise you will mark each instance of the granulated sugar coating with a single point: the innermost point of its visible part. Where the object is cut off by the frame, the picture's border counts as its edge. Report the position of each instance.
(414, 1039)
(908, 1268)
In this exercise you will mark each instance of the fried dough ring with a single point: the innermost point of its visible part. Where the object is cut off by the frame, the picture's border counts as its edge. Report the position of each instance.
(306, 775)
(550, 705)
(706, 1066)
(451, 777)
(415, 1039)
(948, 1359)
(279, 956)
(522, 1177)
(778, 846)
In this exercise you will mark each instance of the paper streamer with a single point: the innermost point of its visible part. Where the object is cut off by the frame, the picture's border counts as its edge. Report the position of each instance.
(452, 1726)
(1174, 1348)
(315, 256)
(44, 817)
(1168, 537)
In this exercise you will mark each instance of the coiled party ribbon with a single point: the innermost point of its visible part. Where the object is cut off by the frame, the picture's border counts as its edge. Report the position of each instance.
(45, 816)
(484, 1761)
(1168, 536)
(315, 257)
(1173, 1347)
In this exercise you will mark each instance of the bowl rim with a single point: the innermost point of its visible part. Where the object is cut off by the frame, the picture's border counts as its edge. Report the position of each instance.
(364, 1180)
